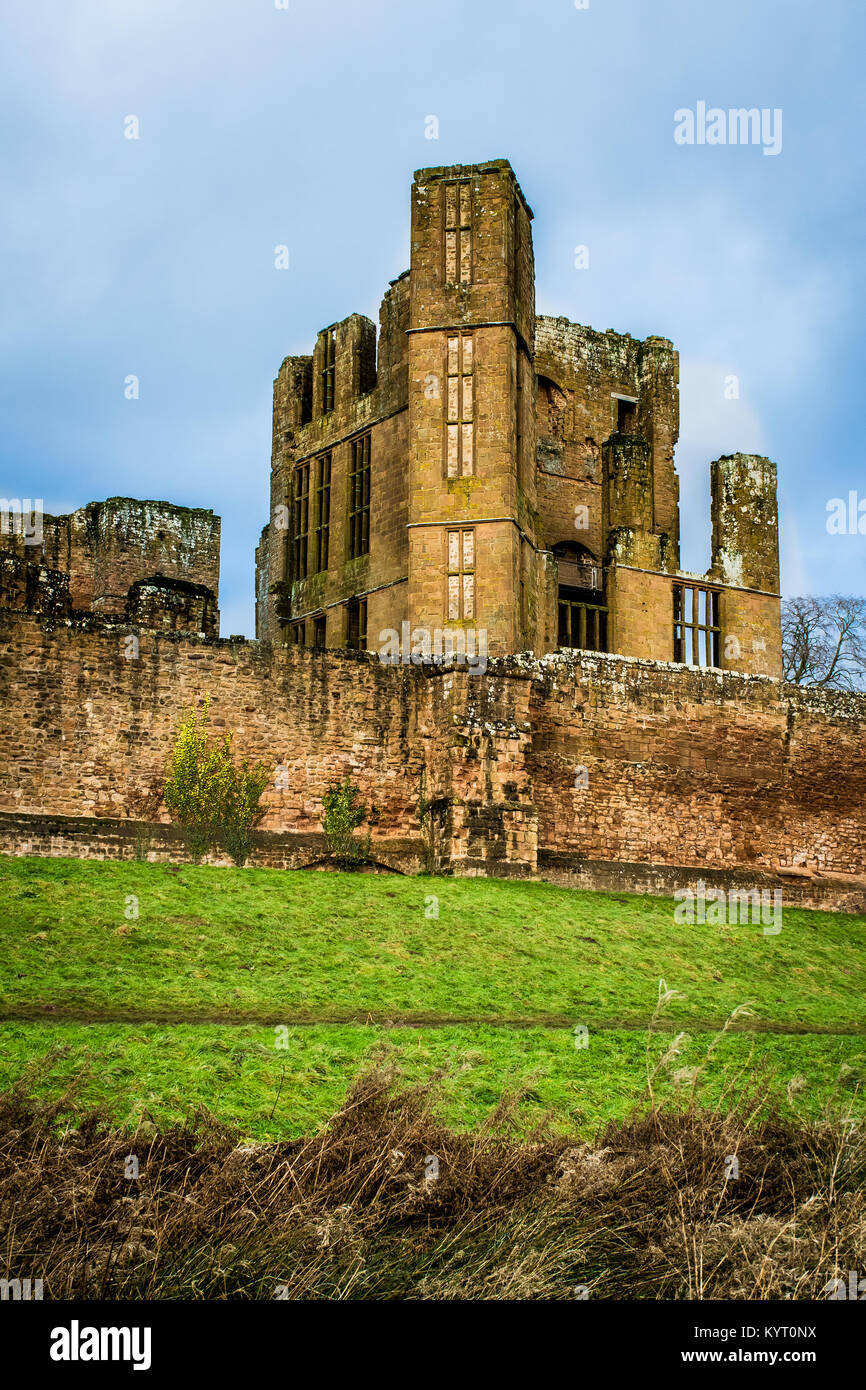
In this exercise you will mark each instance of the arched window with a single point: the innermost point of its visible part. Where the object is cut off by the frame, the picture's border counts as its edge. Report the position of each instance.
(581, 610)
(578, 567)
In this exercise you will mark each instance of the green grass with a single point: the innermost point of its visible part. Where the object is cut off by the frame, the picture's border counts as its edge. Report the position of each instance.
(272, 1093)
(268, 946)
(180, 1005)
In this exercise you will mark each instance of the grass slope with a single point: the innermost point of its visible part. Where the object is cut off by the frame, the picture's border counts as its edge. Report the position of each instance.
(263, 945)
(239, 1073)
(168, 1009)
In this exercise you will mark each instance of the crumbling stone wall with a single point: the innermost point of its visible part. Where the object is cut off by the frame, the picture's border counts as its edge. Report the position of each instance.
(695, 767)
(556, 764)
(172, 605)
(93, 727)
(108, 546)
(112, 552)
(585, 374)
(27, 587)
(745, 522)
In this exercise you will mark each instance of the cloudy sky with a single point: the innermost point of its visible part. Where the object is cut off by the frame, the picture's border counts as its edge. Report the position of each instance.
(261, 126)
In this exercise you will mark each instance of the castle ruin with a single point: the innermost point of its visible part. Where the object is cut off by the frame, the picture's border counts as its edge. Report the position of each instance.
(481, 478)
(487, 472)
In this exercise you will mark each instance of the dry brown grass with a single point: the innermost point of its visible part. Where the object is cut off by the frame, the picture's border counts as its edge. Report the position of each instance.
(645, 1212)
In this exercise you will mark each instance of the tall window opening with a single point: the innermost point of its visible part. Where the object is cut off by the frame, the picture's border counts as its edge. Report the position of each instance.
(696, 625)
(460, 404)
(329, 358)
(301, 521)
(323, 511)
(458, 232)
(581, 610)
(359, 498)
(461, 575)
(626, 415)
(356, 624)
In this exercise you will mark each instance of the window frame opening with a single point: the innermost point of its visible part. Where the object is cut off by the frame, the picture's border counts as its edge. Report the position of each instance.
(460, 589)
(625, 413)
(696, 624)
(329, 368)
(356, 624)
(322, 512)
(581, 626)
(359, 497)
(300, 520)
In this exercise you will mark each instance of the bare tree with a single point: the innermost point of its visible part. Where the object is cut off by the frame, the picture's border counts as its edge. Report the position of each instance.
(824, 642)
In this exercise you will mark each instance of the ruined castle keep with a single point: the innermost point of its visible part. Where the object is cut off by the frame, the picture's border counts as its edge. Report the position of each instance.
(478, 481)
(500, 479)
(146, 563)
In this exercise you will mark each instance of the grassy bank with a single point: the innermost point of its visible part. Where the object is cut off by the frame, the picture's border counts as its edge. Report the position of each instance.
(130, 1070)
(263, 994)
(260, 945)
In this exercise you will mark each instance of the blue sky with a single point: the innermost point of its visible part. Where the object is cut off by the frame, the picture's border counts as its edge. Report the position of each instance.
(261, 126)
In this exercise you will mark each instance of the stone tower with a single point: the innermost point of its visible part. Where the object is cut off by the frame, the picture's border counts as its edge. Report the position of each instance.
(472, 502)
(482, 479)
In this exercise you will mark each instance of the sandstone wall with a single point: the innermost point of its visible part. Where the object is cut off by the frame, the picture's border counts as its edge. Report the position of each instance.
(108, 546)
(560, 765)
(696, 767)
(89, 730)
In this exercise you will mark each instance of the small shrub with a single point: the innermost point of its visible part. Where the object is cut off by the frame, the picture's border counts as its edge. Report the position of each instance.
(213, 801)
(344, 811)
(241, 810)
